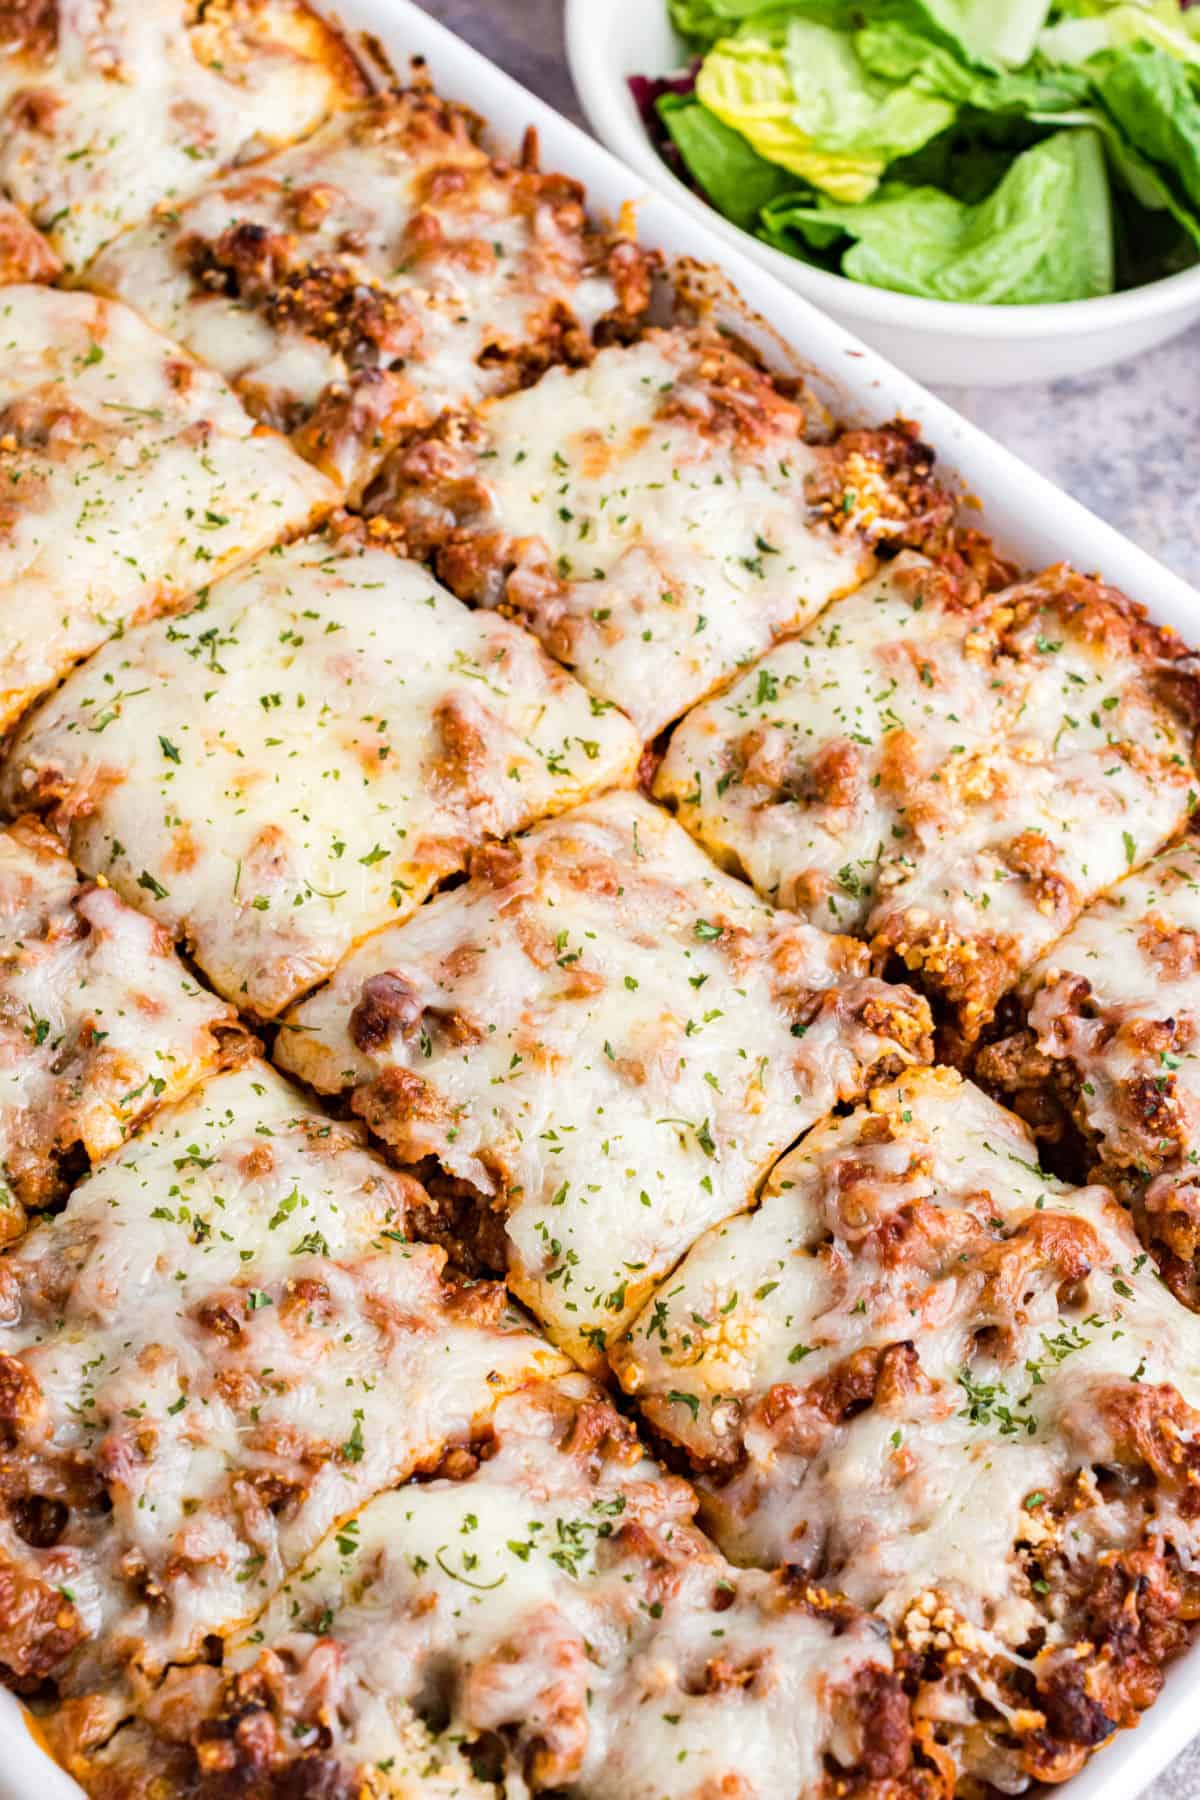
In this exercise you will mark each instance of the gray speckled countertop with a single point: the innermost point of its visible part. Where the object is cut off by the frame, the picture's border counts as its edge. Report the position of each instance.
(1122, 441)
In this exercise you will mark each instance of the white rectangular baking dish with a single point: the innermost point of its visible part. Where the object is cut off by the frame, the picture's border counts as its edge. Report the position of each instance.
(1032, 520)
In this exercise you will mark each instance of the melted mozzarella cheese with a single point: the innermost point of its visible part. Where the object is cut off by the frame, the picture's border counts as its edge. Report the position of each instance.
(1118, 1001)
(99, 1021)
(223, 1346)
(1093, 776)
(655, 516)
(301, 757)
(357, 284)
(1108, 1053)
(610, 1040)
(800, 772)
(109, 106)
(564, 1607)
(997, 1327)
(1014, 847)
(129, 477)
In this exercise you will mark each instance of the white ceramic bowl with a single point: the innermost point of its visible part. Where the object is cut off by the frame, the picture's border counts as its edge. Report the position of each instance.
(936, 340)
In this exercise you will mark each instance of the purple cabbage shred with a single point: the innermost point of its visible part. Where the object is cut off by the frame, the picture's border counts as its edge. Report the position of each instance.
(647, 91)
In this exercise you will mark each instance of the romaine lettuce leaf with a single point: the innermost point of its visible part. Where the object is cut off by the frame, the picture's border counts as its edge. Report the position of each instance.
(843, 107)
(915, 231)
(745, 81)
(702, 22)
(696, 21)
(732, 175)
(810, 245)
(803, 100)
(1148, 93)
(994, 34)
(1132, 171)
(1094, 26)
(897, 52)
(1044, 234)
(991, 32)
(970, 159)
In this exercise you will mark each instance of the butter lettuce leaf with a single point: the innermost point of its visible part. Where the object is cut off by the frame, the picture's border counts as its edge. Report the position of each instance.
(1044, 234)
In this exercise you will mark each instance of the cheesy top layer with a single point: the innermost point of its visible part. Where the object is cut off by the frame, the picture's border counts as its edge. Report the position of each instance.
(1118, 1001)
(800, 773)
(1009, 844)
(561, 1604)
(1107, 1056)
(910, 1371)
(99, 1021)
(658, 516)
(357, 284)
(130, 476)
(221, 1348)
(609, 1040)
(109, 106)
(304, 755)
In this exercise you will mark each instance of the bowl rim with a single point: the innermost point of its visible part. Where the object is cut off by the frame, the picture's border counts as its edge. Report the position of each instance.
(613, 116)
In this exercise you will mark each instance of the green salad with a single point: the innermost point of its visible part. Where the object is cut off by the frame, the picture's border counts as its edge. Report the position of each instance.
(1007, 151)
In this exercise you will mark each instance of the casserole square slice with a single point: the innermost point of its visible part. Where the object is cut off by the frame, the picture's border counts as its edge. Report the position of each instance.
(130, 476)
(218, 1351)
(99, 1022)
(927, 1374)
(952, 773)
(800, 773)
(580, 1634)
(1108, 1054)
(601, 1043)
(304, 755)
(107, 109)
(1006, 845)
(354, 286)
(660, 517)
